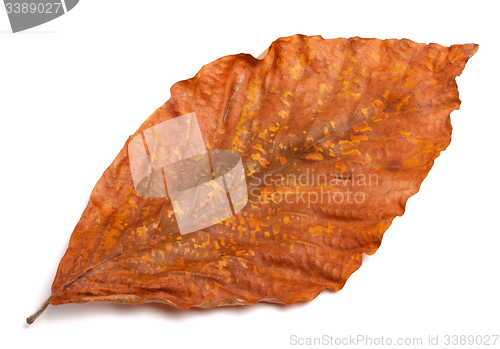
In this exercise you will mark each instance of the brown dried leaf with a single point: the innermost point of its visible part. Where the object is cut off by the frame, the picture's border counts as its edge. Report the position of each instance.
(311, 119)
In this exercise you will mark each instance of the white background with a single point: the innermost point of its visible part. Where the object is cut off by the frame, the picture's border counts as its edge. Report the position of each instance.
(73, 90)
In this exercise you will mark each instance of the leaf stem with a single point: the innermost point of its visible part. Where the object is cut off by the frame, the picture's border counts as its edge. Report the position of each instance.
(32, 318)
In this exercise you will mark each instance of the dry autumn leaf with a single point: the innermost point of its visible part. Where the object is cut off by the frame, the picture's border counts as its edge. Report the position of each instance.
(334, 136)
